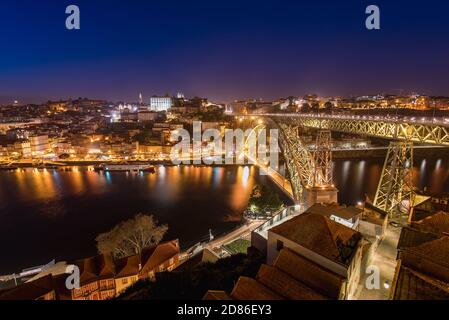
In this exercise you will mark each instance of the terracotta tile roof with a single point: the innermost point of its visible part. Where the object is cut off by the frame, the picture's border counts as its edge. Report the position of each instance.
(322, 209)
(310, 274)
(321, 235)
(413, 285)
(430, 258)
(349, 212)
(292, 277)
(436, 223)
(335, 209)
(216, 295)
(155, 256)
(88, 271)
(96, 268)
(30, 290)
(205, 256)
(250, 289)
(128, 266)
(411, 237)
(106, 266)
(60, 286)
(285, 285)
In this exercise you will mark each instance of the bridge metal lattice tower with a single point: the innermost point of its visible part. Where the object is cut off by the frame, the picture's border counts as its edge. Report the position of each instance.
(323, 159)
(395, 194)
(299, 160)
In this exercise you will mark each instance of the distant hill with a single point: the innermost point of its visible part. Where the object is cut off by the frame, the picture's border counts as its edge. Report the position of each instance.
(9, 99)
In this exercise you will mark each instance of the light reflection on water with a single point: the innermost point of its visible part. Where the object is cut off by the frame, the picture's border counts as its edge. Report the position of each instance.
(57, 214)
(355, 178)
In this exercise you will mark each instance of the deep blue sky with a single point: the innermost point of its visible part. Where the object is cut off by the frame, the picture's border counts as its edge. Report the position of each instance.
(222, 49)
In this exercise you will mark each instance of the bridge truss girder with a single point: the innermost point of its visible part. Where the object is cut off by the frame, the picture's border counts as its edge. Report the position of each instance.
(421, 133)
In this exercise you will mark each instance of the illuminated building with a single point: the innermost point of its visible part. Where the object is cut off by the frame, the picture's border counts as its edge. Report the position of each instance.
(39, 144)
(159, 104)
(146, 116)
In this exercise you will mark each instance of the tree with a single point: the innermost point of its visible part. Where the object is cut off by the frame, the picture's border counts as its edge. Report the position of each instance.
(328, 106)
(305, 107)
(131, 236)
(263, 199)
(315, 106)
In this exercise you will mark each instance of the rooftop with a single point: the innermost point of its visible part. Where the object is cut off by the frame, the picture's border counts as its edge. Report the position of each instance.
(413, 285)
(279, 281)
(204, 256)
(430, 258)
(95, 268)
(155, 256)
(322, 235)
(411, 237)
(335, 209)
(291, 277)
(126, 267)
(436, 223)
(313, 276)
(250, 289)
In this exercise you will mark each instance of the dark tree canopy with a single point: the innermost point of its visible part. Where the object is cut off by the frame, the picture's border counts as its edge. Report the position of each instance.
(264, 200)
(131, 236)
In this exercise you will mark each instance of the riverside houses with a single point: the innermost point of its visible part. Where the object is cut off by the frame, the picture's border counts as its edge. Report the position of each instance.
(101, 277)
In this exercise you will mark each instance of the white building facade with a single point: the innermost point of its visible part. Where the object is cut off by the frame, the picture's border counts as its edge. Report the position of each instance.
(159, 104)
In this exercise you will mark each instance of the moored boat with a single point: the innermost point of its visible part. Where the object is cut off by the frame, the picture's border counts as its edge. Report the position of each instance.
(128, 167)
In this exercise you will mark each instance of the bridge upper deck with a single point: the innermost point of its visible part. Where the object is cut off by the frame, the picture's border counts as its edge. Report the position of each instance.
(423, 130)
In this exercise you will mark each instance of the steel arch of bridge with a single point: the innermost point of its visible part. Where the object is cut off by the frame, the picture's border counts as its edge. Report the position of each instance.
(304, 170)
(395, 189)
(395, 192)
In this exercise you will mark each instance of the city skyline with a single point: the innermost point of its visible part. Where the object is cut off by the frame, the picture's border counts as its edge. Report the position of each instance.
(259, 50)
(224, 150)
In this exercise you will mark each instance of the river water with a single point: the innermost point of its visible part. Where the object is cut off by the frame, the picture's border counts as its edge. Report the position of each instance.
(52, 214)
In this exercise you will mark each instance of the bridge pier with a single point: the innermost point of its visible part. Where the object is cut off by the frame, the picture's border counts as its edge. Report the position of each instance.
(324, 194)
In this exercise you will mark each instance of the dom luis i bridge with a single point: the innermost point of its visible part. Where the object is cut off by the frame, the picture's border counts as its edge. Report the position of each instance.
(310, 171)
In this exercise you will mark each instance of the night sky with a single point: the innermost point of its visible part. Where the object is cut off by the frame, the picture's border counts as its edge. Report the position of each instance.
(224, 50)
